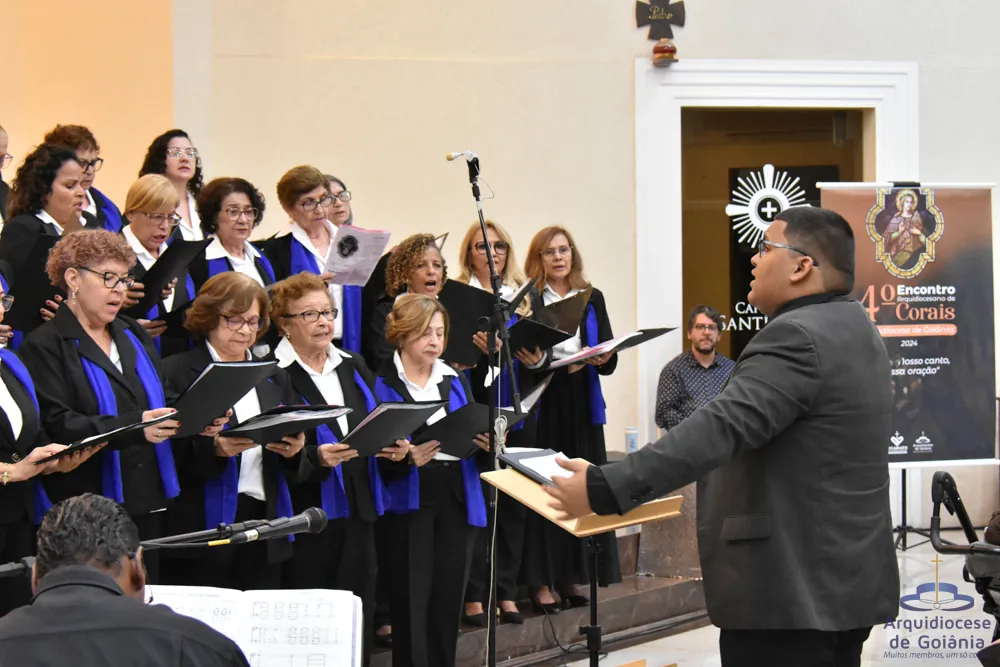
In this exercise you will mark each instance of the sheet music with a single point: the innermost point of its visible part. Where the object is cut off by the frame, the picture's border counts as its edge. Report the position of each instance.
(302, 628)
(594, 351)
(219, 608)
(354, 252)
(283, 628)
(546, 466)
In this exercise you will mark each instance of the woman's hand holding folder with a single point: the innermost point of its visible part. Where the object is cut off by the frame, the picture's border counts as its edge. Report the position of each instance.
(421, 454)
(332, 455)
(396, 452)
(163, 430)
(288, 446)
(229, 447)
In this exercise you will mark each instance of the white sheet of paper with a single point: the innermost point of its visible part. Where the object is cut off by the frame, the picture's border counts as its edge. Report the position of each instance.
(354, 252)
(546, 466)
(594, 351)
(219, 608)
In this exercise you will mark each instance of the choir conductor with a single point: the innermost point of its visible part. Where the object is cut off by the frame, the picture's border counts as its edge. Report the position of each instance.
(791, 460)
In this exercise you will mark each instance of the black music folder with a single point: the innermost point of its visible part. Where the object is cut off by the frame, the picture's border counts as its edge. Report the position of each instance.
(567, 314)
(530, 333)
(31, 287)
(541, 470)
(274, 424)
(388, 423)
(113, 438)
(457, 429)
(615, 344)
(216, 390)
(466, 306)
(172, 264)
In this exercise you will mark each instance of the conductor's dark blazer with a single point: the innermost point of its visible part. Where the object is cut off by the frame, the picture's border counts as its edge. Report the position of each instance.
(791, 459)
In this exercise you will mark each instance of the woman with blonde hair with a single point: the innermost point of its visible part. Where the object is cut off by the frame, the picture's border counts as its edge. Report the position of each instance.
(150, 210)
(571, 418)
(436, 500)
(511, 515)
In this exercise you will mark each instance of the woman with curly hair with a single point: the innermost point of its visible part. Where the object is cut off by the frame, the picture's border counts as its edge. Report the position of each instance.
(415, 267)
(173, 155)
(46, 199)
(96, 370)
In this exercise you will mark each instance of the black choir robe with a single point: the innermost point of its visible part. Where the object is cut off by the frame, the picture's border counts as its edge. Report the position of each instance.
(18, 238)
(69, 406)
(197, 463)
(376, 349)
(342, 557)
(4, 192)
(17, 507)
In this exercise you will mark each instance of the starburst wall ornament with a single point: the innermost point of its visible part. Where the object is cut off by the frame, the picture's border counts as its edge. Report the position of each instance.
(759, 197)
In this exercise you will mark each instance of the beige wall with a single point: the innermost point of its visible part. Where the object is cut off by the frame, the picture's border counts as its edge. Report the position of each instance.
(102, 65)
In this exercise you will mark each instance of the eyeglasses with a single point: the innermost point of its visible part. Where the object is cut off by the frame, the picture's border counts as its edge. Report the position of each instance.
(314, 315)
(180, 152)
(235, 213)
(111, 279)
(171, 219)
(500, 247)
(764, 244)
(235, 323)
(7, 301)
(711, 328)
(94, 164)
(310, 204)
(5, 160)
(344, 195)
(560, 251)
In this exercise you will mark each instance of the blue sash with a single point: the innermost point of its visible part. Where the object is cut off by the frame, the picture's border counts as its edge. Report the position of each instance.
(304, 261)
(221, 265)
(112, 218)
(598, 407)
(332, 494)
(157, 311)
(404, 494)
(111, 474)
(11, 360)
(222, 491)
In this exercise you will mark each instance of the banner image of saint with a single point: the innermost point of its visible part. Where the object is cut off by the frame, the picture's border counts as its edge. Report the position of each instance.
(905, 225)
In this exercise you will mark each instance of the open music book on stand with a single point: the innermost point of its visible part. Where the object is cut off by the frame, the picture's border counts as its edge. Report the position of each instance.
(276, 628)
(523, 487)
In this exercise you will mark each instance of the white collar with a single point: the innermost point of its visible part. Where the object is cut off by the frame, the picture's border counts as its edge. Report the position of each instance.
(286, 355)
(439, 371)
(45, 217)
(91, 204)
(554, 296)
(215, 355)
(302, 236)
(506, 291)
(215, 250)
(137, 246)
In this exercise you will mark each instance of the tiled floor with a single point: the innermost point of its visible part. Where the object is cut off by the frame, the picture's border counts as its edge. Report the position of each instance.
(699, 648)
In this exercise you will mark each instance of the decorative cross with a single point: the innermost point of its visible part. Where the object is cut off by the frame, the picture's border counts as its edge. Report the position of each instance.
(937, 563)
(659, 15)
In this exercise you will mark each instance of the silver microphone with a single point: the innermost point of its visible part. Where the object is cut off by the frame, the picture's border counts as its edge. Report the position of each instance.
(468, 155)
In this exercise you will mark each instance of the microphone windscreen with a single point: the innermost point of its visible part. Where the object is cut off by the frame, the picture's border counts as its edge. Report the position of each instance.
(317, 520)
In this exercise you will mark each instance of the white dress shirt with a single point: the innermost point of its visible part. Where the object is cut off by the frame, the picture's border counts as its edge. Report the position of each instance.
(429, 392)
(251, 460)
(574, 344)
(146, 258)
(9, 407)
(244, 264)
(91, 207)
(328, 382)
(336, 291)
(45, 217)
(191, 229)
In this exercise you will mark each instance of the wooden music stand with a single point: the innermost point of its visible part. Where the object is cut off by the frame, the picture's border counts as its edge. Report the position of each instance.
(530, 494)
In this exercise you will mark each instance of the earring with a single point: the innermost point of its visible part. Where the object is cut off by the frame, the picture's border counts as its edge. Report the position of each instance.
(72, 297)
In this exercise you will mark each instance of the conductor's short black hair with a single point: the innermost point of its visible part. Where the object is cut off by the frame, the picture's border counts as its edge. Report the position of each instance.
(702, 309)
(825, 235)
(85, 530)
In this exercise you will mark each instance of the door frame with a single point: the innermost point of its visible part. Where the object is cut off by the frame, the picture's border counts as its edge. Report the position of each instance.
(888, 89)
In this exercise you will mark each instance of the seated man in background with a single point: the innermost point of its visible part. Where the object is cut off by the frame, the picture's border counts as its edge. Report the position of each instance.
(88, 607)
(696, 376)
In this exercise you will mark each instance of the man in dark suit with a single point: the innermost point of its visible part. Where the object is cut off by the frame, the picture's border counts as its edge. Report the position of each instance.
(88, 607)
(791, 460)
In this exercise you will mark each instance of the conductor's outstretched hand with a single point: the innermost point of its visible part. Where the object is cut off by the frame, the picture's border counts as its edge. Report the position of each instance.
(569, 497)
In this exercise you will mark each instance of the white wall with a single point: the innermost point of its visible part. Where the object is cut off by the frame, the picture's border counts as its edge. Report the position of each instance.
(543, 92)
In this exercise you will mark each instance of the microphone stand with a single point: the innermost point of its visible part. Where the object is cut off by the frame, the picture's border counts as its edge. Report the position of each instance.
(202, 537)
(495, 328)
